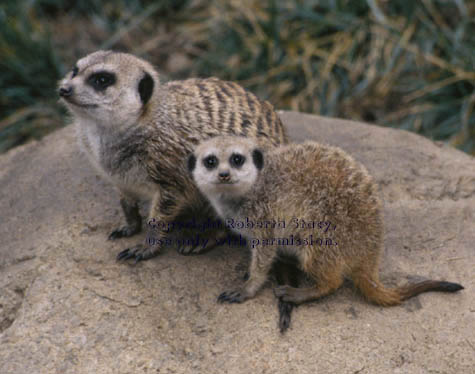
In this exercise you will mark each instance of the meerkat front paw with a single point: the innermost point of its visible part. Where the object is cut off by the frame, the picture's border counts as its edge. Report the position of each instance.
(235, 296)
(294, 295)
(195, 249)
(284, 293)
(203, 245)
(187, 250)
(123, 232)
(139, 252)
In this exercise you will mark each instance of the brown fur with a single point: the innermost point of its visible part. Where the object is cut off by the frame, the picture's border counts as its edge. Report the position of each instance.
(312, 182)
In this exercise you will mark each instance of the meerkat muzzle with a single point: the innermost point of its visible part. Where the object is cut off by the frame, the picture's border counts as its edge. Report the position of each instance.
(65, 91)
(224, 176)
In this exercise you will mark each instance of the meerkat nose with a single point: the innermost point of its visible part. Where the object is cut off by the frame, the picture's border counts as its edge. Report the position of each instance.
(65, 91)
(224, 176)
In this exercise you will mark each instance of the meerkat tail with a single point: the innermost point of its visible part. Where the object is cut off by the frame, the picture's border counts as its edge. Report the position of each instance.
(415, 289)
(377, 293)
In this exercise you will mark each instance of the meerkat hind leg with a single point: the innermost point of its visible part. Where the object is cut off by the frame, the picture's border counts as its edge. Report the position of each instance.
(132, 217)
(326, 285)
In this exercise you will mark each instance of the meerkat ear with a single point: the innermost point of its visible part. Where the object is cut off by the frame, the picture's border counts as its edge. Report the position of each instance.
(146, 88)
(258, 158)
(191, 163)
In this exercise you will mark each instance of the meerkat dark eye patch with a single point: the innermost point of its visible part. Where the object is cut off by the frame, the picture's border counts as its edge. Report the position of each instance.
(258, 159)
(236, 160)
(146, 88)
(191, 163)
(101, 80)
(75, 71)
(210, 162)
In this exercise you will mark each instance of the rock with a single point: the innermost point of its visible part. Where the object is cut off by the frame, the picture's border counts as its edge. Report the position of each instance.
(66, 305)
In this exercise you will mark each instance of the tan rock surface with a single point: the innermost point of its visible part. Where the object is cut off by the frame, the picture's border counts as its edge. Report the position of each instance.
(66, 305)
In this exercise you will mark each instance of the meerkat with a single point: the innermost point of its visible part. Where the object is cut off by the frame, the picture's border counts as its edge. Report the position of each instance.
(137, 132)
(309, 201)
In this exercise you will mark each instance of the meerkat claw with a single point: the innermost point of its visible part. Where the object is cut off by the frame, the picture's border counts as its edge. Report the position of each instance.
(126, 254)
(139, 253)
(231, 297)
(187, 250)
(181, 249)
(122, 232)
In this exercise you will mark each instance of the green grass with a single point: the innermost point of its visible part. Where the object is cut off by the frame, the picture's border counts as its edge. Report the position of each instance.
(398, 63)
(31, 66)
(29, 70)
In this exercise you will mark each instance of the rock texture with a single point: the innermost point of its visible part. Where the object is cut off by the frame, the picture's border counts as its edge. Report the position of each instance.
(66, 305)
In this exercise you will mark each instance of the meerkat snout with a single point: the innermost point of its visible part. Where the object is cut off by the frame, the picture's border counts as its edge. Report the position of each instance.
(224, 176)
(65, 91)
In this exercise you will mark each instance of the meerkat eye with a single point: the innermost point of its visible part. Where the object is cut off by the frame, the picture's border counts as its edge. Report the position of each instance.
(210, 162)
(75, 71)
(237, 160)
(100, 81)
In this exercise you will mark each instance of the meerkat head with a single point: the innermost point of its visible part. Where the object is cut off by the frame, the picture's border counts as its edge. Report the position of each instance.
(226, 166)
(109, 88)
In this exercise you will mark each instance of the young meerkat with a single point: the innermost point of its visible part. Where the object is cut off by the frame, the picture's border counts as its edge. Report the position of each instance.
(310, 201)
(137, 132)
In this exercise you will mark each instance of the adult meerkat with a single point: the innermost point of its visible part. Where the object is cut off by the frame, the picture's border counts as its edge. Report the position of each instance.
(310, 201)
(137, 132)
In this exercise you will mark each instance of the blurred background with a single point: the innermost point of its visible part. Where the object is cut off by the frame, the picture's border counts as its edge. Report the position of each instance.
(399, 63)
